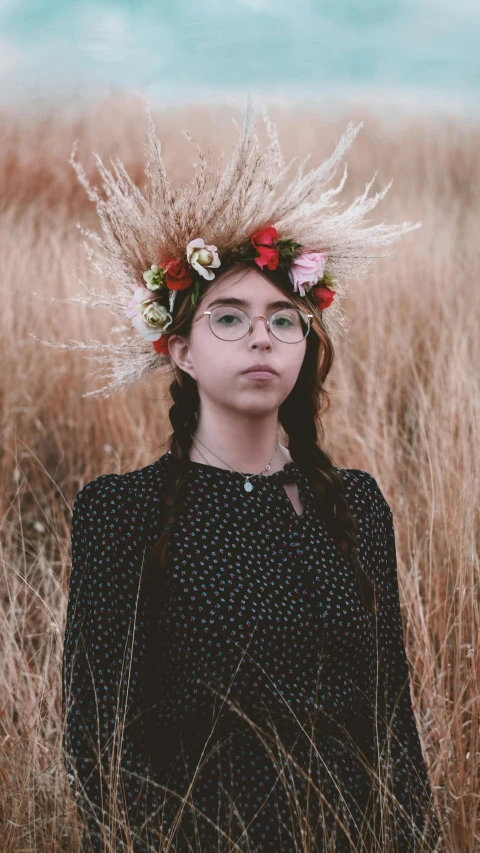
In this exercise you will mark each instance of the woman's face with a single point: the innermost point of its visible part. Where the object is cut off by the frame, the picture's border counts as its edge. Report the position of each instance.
(219, 366)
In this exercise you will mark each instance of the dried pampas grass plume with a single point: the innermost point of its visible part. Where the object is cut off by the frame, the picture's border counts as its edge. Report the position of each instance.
(224, 206)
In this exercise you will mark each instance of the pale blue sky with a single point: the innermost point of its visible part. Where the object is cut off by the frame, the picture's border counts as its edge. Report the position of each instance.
(424, 50)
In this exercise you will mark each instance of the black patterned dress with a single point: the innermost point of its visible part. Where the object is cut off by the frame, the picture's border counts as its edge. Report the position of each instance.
(253, 687)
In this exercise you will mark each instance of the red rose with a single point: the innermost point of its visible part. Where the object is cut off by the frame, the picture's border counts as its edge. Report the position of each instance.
(161, 345)
(323, 297)
(265, 237)
(178, 275)
(267, 256)
(263, 242)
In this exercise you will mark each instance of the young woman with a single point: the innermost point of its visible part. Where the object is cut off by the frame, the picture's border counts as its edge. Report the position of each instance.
(235, 675)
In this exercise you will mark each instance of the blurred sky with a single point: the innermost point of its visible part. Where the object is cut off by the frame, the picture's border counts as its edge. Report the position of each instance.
(424, 53)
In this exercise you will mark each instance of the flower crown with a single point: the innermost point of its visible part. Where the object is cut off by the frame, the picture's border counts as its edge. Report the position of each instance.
(149, 315)
(147, 238)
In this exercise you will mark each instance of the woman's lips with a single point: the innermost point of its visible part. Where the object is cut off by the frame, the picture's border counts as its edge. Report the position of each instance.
(260, 374)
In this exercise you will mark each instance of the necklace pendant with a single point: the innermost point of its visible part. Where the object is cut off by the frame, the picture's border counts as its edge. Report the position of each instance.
(247, 486)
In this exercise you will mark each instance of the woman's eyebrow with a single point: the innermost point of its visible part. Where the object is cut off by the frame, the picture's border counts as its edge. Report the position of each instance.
(233, 300)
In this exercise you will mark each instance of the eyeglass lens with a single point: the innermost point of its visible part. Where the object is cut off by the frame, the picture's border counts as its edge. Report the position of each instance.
(230, 324)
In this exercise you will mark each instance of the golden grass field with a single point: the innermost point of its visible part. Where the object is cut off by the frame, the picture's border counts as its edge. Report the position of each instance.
(405, 392)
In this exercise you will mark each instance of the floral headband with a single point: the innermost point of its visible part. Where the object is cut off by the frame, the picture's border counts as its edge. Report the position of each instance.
(150, 317)
(146, 236)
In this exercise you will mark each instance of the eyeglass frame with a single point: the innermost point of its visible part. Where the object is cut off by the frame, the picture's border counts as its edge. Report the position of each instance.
(259, 317)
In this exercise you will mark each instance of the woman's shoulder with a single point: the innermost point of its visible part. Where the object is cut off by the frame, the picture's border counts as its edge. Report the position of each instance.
(111, 490)
(363, 492)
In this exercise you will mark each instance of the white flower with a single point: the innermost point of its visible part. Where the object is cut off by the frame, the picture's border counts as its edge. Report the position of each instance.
(154, 277)
(156, 316)
(203, 258)
(149, 317)
(147, 332)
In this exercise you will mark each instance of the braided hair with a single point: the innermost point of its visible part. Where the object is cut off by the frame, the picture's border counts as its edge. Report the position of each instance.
(299, 416)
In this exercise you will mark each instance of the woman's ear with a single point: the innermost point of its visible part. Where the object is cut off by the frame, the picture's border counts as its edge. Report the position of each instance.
(179, 349)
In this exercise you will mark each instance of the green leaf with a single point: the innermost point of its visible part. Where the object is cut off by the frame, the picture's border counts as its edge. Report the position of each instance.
(195, 292)
(288, 245)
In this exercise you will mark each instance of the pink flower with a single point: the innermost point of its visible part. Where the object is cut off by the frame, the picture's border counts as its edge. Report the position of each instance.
(307, 269)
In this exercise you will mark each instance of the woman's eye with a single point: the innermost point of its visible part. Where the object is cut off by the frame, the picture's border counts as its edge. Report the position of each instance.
(228, 318)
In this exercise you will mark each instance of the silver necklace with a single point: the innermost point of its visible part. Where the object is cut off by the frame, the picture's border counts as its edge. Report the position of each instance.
(247, 485)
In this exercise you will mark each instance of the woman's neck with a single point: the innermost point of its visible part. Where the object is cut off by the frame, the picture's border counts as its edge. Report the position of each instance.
(241, 443)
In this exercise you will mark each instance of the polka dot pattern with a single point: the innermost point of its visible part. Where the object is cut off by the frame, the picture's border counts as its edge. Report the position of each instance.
(261, 619)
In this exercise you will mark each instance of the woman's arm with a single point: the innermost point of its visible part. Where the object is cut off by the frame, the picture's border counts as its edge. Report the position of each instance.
(103, 676)
(398, 744)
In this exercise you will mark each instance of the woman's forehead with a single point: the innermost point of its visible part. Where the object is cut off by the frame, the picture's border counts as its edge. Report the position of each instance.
(249, 286)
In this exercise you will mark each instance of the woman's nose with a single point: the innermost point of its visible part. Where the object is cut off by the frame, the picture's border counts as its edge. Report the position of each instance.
(259, 331)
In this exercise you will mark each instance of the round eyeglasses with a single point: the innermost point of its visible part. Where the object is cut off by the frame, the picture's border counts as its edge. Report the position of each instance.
(289, 325)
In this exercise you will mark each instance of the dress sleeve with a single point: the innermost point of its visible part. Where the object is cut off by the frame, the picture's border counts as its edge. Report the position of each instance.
(103, 736)
(412, 821)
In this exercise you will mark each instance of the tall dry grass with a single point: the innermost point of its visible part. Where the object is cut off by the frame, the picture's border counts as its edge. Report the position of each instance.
(406, 407)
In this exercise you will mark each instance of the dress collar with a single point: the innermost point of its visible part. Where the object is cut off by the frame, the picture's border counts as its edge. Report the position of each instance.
(288, 474)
